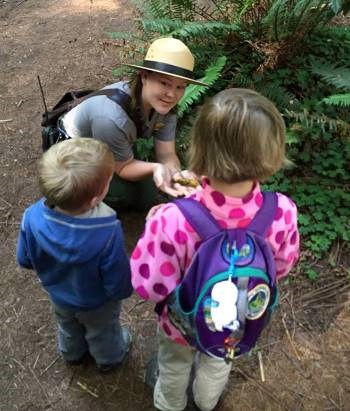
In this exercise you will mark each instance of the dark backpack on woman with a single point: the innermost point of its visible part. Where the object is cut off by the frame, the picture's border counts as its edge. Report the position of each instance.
(52, 134)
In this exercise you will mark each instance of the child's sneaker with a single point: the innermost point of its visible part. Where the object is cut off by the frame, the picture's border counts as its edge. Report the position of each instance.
(78, 361)
(105, 368)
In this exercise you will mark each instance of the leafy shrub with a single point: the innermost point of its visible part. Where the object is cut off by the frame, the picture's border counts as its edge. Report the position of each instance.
(286, 50)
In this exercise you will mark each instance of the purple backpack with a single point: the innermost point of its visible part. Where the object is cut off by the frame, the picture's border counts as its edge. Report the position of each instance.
(229, 290)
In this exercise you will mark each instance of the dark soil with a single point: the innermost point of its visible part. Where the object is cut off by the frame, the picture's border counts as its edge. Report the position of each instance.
(305, 352)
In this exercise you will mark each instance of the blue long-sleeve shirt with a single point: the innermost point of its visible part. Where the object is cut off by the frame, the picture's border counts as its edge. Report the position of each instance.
(81, 261)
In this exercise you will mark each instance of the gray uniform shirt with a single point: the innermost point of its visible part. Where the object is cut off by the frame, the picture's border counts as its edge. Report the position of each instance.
(101, 118)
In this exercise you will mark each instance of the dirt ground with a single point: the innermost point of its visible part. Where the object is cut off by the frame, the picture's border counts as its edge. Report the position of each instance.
(305, 361)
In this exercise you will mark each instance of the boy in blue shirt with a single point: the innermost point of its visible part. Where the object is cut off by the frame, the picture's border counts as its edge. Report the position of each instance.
(75, 244)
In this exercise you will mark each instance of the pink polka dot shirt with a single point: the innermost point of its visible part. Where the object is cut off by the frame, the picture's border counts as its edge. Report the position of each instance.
(168, 243)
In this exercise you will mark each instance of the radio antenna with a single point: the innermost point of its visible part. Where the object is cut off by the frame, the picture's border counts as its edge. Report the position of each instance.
(43, 97)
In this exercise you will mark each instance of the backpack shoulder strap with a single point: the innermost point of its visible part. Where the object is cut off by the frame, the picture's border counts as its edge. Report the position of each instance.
(124, 100)
(199, 217)
(121, 98)
(73, 98)
(265, 215)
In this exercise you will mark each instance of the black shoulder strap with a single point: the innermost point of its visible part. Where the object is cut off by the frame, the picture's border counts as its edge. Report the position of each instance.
(70, 100)
(78, 97)
(74, 98)
(123, 100)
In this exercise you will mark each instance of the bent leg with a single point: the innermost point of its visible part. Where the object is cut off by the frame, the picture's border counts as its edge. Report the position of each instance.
(137, 195)
(175, 362)
(118, 196)
(211, 377)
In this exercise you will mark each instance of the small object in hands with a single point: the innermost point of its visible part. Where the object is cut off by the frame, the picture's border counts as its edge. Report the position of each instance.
(187, 182)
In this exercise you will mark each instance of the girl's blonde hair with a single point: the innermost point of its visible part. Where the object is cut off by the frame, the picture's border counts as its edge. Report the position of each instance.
(73, 172)
(238, 135)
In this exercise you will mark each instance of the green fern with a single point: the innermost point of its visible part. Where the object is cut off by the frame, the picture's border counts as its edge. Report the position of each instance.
(122, 35)
(185, 30)
(204, 30)
(153, 8)
(242, 80)
(335, 76)
(182, 9)
(337, 32)
(122, 71)
(192, 10)
(276, 93)
(287, 18)
(173, 9)
(163, 26)
(323, 121)
(342, 100)
(194, 92)
(244, 7)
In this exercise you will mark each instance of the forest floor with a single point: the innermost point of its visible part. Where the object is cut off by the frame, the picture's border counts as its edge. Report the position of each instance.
(305, 352)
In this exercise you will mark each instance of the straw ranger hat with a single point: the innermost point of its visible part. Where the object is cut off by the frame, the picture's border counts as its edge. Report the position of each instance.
(172, 57)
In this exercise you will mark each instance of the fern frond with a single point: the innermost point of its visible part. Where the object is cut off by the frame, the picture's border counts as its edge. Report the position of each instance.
(320, 119)
(287, 18)
(242, 80)
(276, 18)
(163, 26)
(121, 71)
(122, 35)
(340, 32)
(157, 9)
(205, 29)
(245, 7)
(194, 92)
(335, 76)
(182, 9)
(342, 100)
(173, 9)
(185, 30)
(276, 93)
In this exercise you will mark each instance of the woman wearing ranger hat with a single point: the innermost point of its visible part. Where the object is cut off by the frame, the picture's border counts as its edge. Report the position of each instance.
(156, 89)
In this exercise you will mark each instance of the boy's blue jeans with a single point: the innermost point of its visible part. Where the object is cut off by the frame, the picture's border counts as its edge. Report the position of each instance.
(97, 331)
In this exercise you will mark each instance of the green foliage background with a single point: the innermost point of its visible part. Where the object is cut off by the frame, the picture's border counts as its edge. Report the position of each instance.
(288, 51)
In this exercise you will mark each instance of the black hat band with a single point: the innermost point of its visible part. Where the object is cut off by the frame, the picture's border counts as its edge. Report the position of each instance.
(167, 68)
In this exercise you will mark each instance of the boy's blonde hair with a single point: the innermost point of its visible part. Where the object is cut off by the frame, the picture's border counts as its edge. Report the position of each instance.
(238, 135)
(73, 172)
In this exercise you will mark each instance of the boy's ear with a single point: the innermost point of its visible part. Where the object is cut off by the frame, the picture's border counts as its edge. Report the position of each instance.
(94, 202)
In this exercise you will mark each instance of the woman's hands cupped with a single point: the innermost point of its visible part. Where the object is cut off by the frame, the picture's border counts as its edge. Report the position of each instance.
(175, 182)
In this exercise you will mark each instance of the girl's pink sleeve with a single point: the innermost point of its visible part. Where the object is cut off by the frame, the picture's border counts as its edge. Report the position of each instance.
(284, 236)
(159, 257)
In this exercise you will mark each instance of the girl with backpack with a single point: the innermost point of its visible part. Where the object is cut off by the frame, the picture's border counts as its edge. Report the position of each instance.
(155, 90)
(238, 141)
